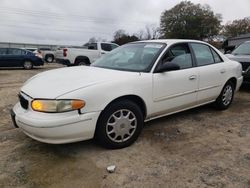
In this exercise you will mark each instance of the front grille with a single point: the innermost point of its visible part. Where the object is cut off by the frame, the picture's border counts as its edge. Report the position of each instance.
(24, 103)
(245, 65)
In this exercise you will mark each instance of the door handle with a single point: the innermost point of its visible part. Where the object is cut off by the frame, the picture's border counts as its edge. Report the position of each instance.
(222, 71)
(193, 77)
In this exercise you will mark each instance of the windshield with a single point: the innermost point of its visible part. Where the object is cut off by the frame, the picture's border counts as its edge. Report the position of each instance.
(137, 57)
(243, 49)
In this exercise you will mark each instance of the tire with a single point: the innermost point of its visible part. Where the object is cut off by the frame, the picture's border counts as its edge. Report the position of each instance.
(119, 125)
(27, 65)
(49, 58)
(82, 62)
(226, 96)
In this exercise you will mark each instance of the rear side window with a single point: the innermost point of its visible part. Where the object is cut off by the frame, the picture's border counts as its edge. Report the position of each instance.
(26, 52)
(217, 58)
(203, 54)
(3, 51)
(92, 46)
(15, 52)
(106, 47)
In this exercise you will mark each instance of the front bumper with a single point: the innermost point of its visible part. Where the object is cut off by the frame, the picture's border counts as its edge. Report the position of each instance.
(55, 128)
(246, 75)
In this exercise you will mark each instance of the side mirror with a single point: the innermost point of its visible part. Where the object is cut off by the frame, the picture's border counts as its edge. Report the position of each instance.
(168, 66)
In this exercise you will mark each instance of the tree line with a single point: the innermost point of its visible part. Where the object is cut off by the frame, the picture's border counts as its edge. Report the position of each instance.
(187, 20)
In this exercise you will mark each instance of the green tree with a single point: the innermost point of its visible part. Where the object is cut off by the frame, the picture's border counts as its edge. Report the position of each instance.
(121, 37)
(190, 21)
(237, 27)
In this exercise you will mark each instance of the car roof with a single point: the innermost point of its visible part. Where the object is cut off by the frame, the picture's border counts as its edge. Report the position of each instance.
(172, 41)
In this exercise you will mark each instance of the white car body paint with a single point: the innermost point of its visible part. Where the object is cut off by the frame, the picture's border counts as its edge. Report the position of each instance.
(162, 93)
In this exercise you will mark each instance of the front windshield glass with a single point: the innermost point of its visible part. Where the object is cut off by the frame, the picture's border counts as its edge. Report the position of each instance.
(243, 49)
(137, 57)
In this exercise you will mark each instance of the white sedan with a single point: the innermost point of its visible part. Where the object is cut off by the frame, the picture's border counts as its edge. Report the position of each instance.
(135, 83)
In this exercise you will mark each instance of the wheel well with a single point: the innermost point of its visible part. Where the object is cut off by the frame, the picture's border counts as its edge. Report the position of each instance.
(49, 55)
(27, 60)
(134, 98)
(233, 80)
(84, 58)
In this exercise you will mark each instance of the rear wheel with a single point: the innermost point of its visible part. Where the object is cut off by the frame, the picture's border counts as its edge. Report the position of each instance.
(49, 58)
(226, 96)
(27, 65)
(119, 125)
(82, 62)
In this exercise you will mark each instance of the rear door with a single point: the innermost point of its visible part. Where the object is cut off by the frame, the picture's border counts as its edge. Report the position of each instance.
(176, 90)
(212, 71)
(94, 53)
(15, 57)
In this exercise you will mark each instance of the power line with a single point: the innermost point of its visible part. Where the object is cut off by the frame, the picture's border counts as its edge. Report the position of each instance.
(42, 25)
(64, 30)
(73, 17)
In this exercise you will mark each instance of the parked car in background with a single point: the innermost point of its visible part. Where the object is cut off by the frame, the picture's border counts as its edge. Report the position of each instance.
(233, 42)
(15, 57)
(83, 55)
(47, 54)
(111, 99)
(242, 55)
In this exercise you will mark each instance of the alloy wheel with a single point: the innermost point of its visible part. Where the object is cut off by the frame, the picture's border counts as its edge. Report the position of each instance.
(121, 125)
(27, 65)
(227, 95)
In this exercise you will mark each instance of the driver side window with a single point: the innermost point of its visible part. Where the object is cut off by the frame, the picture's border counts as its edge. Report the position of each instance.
(179, 54)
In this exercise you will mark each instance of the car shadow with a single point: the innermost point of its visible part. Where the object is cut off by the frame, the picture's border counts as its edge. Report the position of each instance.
(209, 108)
(245, 87)
(92, 145)
(19, 68)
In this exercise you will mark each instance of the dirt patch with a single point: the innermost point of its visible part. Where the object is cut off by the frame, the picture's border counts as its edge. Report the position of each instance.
(197, 148)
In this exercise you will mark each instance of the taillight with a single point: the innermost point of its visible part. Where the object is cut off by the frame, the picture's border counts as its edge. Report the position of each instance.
(65, 52)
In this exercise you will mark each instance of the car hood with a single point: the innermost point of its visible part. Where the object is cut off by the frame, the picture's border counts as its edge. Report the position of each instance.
(54, 83)
(239, 58)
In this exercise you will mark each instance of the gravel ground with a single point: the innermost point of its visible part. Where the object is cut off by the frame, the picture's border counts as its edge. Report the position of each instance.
(197, 148)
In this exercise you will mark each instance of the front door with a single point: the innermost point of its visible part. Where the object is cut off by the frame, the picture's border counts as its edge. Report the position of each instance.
(175, 90)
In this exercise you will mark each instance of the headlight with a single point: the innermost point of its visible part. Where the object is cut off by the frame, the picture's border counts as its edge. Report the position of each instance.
(57, 105)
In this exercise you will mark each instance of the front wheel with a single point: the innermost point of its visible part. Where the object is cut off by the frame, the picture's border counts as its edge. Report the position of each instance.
(226, 96)
(119, 125)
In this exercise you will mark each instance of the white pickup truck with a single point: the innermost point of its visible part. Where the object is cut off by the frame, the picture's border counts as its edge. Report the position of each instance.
(84, 55)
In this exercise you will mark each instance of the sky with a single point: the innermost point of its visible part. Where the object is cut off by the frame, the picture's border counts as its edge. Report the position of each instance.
(73, 22)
